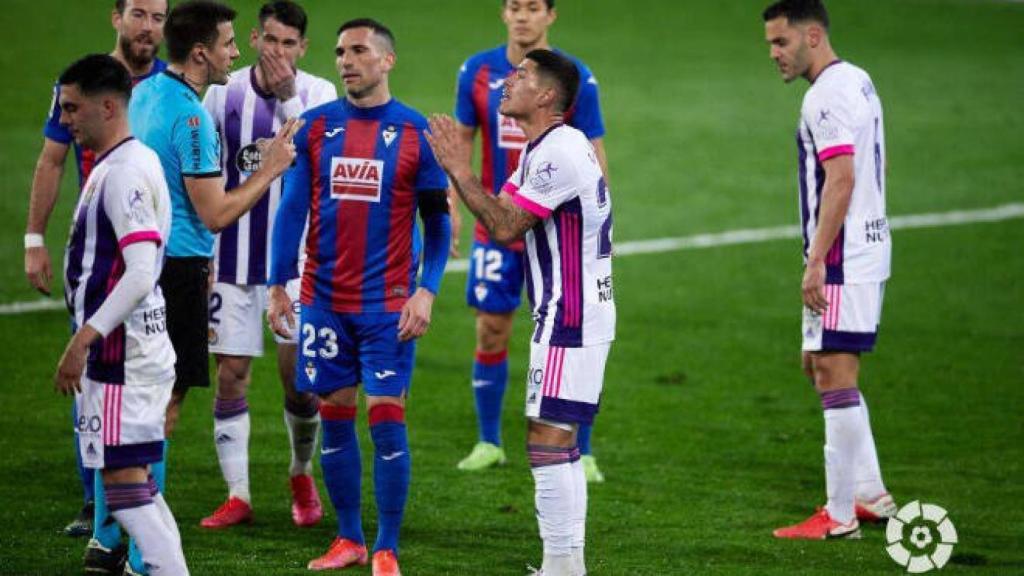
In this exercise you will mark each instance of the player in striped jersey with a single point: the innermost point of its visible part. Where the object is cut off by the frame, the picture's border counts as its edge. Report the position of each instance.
(558, 200)
(363, 170)
(253, 105)
(841, 147)
(495, 279)
(139, 27)
(120, 362)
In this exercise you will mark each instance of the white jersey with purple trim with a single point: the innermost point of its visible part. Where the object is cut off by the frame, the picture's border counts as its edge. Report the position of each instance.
(842, 114)
(243, 114)
(125, 200)
(568, 253)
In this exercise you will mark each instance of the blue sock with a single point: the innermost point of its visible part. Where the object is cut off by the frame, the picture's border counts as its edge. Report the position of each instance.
(86, 475)
(583, 439)
(104, 528)
(391, 468)
(158, 472)
(342, 468)
(490, 377)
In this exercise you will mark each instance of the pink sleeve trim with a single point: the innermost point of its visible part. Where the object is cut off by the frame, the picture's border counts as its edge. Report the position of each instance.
(531, 207)
(510, 188)
(835, 151)
(141, 236)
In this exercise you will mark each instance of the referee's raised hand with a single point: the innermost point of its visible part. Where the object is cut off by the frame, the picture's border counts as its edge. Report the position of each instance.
(279, 154)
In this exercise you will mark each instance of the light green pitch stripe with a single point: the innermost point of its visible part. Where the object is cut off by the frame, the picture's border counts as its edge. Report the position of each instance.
(727, 238)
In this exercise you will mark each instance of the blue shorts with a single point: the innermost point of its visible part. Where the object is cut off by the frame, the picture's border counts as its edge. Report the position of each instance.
(495, 280)
(341, 350)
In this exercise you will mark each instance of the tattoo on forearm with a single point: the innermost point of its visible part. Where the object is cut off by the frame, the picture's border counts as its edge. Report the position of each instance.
(500, 220)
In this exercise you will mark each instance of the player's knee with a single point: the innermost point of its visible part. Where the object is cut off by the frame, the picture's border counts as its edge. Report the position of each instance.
(293, 397)
(232, 376)
(345, 397)
(832, 372)
(551, 433)
(130, 475)
(493, 332)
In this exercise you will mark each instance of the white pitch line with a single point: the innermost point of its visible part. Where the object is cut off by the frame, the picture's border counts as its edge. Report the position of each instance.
(755, 235)
(31, 306)
(728, 238)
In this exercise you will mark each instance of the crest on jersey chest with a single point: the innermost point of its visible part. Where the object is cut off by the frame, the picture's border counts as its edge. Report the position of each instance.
(357, 179)
(389, 135)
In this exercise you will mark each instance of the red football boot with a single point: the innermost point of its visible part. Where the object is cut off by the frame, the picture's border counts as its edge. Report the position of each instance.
(819, 527)
(341, 554)
(234, 511)
(306, 507)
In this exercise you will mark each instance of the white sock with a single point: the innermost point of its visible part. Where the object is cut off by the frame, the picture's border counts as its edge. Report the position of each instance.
(844, 433)
(555, 494)
(557, 566)
(579, 518)
(579, 564)
(868, 474)
(167, 517)
(302, 433)
(231, 435)
(161, 552)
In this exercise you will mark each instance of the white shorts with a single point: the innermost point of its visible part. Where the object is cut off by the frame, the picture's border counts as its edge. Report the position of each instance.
(237, 316)
(121, 426)
(564, 384)
(851, 322)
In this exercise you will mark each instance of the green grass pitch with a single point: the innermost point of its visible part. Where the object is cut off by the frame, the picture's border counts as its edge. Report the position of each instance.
(708, 434)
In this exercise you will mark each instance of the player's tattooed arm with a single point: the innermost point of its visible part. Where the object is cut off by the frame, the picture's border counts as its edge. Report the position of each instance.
(504, 221)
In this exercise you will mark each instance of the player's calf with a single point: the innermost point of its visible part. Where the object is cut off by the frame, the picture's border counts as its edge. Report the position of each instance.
(552, 455)
(131, 501)
(391, 470)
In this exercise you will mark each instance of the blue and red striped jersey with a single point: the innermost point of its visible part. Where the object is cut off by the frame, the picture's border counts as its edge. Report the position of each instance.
(54, 130)
(357, 174)
(481, 82)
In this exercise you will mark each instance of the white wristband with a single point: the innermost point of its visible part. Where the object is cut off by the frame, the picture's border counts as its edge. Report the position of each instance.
(33, 240)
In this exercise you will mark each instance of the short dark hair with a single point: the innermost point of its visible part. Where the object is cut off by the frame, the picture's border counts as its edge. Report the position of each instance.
(119, 5)
(191, 23)
(378, 29)
(98, 74)
(560, 69)
(550, 3)
(286, 12)
(798, 11)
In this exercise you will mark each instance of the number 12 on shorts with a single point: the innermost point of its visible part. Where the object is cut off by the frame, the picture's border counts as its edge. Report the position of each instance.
(487, 264)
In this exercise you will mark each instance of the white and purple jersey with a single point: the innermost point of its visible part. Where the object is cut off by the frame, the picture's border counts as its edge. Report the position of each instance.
(568, 253)
(125, 200)
(841, 114)
(244, 113)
